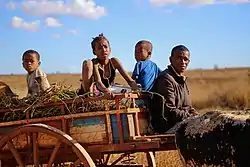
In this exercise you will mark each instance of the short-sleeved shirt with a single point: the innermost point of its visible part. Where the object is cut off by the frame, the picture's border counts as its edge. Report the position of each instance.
(145, 73)
(33, 86)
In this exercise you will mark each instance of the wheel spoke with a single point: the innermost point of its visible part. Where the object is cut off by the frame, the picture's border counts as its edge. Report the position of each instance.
(35, 150)
(150, 159)
(15, 153)
(107, 159)
(119, 159)
(77, 162)
(53, 154)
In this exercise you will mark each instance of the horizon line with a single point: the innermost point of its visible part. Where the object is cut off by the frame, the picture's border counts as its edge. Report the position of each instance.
(193, 69)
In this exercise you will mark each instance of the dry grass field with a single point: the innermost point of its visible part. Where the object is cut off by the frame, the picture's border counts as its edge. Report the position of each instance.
(221, 88)
(210, 89)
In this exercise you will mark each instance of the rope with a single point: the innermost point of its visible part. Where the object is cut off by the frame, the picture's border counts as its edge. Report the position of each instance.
(163, 101)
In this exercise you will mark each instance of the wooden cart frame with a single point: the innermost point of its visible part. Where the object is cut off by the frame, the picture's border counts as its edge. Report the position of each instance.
(21, 141)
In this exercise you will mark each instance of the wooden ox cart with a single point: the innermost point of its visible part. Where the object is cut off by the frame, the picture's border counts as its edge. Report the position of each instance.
(82, 139)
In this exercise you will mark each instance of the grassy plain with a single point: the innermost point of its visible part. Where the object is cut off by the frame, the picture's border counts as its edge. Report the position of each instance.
(221, 88)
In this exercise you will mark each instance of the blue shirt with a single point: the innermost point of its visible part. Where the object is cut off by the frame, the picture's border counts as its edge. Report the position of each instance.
(145, 73)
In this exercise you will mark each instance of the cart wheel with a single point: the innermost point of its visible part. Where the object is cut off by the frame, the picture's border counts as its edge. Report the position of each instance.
(142, 159)
(81, 157)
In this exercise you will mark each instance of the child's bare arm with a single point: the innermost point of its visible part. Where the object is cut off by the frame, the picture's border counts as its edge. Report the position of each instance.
(87, 72)
(98, 80)
(117, 64)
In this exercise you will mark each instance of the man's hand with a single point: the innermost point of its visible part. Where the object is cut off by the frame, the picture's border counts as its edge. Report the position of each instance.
(193, 112)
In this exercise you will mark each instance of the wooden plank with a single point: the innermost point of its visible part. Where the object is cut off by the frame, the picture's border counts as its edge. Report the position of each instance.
(88, 121)
(120, 129)
(70, 116)
(126, 147)
(109, 129)
(89, 134)
(137, 126)
(89, 129)
(46, 140)
(131, 125)
(166, 138)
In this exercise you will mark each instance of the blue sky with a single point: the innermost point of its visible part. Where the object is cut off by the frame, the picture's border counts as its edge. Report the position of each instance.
(215, 33)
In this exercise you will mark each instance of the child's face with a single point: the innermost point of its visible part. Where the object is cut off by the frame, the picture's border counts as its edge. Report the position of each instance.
(141, 52)
(102, 50)
(30, 62)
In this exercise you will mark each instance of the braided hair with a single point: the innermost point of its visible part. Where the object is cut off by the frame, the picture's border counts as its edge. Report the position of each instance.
(97, 39)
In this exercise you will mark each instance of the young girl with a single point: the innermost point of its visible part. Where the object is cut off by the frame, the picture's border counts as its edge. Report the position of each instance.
(100, 72)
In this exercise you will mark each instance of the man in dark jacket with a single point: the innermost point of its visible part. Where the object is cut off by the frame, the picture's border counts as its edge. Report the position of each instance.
(171, 84)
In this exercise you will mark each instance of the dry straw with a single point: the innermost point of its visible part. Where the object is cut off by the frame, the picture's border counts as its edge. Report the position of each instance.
(36, 105)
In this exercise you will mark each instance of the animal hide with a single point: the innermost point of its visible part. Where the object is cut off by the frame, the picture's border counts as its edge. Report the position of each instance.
(216, 138)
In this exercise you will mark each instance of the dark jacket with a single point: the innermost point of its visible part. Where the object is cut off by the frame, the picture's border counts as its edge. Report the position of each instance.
(176, 105)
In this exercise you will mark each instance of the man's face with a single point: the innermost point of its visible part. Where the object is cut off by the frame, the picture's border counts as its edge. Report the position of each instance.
(141, 52)
(102, 49)
(180, 61)
(30, 62)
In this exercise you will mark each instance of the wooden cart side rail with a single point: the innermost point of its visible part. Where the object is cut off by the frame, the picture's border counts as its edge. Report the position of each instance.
(133, 146)
(71, 116)
(76, 100)
(163, 138)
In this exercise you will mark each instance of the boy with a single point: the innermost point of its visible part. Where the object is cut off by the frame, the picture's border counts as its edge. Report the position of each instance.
(145, 71)
(36, 78)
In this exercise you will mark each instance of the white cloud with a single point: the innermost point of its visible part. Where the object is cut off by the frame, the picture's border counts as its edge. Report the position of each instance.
(52, 22)
(81, 8)
(195, 2)
(11, 5)
(18, 22)
(73, 31)
(56, 36)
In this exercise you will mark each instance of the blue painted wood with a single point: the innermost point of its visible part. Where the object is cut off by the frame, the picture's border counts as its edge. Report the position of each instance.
(115, 133)
(88, 121)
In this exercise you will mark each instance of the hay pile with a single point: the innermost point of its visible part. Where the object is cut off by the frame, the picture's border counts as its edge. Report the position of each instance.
(217, 138)
(56, 93)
